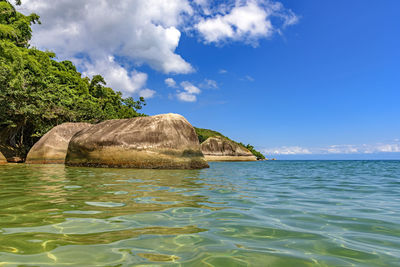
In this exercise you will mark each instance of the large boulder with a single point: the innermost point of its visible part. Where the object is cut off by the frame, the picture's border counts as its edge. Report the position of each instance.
(52, 147)
(222, 149)
(3, 159)
(165, 141)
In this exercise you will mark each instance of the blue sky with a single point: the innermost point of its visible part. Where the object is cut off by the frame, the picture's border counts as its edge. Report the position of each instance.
(310, 79)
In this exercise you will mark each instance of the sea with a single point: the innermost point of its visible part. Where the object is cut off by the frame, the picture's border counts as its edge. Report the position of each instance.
(269, 213)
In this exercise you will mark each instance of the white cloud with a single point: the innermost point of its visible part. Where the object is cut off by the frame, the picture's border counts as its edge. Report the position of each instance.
(190, 88)
(286, 150)
(118, 77)
(247, 21)
(170, 82)
(186, 97)
(336, 149)
(209, 84)
(147, 93)
(388, 148)
(142, 31)
(189, 93)
(137, 32)
(222, 71)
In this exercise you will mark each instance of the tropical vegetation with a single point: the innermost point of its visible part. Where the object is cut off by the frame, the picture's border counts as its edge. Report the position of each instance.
(38, 92)
(204, 134)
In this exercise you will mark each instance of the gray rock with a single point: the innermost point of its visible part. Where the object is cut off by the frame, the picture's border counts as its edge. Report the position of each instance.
(165, 141)
(52, 147)
(222, 149)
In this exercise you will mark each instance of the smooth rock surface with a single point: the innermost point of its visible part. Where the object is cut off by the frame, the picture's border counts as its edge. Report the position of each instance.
(222, 149)
(52, 147)
(166, 141)
(3, 159)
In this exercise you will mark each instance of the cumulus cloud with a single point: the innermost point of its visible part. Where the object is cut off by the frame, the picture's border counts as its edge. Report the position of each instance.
(121, 80)
(143, 31)
(190, 88)
(137, 32)
(336, 149)
(170, 82)
(186, 97)
(189, 93)
(246, 21)
(147, 93)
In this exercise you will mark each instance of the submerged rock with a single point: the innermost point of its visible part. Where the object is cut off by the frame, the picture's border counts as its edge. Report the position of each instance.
(52, 147)
(222, 149)
(165, 141)
(3, 159)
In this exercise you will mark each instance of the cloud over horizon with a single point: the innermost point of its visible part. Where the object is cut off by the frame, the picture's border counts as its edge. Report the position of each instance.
(393, 147)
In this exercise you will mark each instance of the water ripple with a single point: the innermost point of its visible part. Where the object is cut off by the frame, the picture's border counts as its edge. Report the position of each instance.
(284, 213)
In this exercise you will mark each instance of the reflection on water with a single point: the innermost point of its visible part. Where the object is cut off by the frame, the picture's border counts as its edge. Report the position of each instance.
(233, 214)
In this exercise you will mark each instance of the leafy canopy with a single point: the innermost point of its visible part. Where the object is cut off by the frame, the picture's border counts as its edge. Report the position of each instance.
(38, 92)
(15, 26)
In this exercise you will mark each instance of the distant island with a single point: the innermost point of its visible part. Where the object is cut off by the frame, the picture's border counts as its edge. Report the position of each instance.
(38, 93)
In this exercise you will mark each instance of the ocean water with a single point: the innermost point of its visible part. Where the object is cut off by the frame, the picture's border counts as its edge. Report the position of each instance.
(282, 213)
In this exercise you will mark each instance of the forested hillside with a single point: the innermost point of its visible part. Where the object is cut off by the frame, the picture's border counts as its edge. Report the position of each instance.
(204, 134)
(38, 92)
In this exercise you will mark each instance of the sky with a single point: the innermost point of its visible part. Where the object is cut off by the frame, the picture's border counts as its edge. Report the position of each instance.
(297, 79)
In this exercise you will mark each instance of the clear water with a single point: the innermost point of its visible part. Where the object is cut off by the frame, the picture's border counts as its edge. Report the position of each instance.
(283, 213)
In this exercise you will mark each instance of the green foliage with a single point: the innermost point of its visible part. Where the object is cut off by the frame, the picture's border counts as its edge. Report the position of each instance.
(15, 26)
(204, 134)
(256, 153)
(38, 93)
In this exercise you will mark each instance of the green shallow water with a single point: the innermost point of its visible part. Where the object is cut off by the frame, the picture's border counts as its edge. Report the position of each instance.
(283, 213)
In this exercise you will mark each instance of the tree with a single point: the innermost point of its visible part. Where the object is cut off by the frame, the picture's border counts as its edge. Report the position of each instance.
(38, 92)
(256, 153)
(14, 25)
